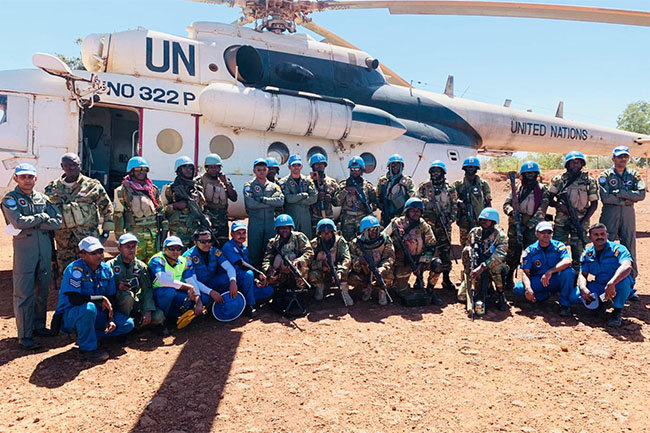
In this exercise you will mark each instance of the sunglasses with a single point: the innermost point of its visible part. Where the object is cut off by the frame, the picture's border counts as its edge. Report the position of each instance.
(175, 248)
(96, 252)
(139, 169)
(204, 241)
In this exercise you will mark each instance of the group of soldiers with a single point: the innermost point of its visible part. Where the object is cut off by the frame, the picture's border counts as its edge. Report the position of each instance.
(294, 244)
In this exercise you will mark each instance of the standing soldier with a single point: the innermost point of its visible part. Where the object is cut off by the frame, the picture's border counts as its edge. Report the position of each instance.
(473, 195)
(620, 188)
(533, 203)
(273, 172)
(184, 202)
(415, 245)
(573, 192)
(299, 195)
(440, 209)
(357, 198)
(328, 243)
(217, 189)
(326, 187)
(393, 189)
(35, 217)
(371, 249)
(138, 208)
(488, 244)
(81, 200)
(261, 199)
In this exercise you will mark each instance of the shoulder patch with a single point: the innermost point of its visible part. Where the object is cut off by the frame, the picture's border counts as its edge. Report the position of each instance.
(9, 201)
(117, 269)
(195, 259)
(561, 247)
(22, 202)
(76, 273)
(602, 179)
(217, 253)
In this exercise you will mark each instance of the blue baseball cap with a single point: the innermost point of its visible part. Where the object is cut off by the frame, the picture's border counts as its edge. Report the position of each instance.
(230, 309)
(90, 244)
(25, 168)
(126, 238)
(172, 241)
(621, 150)
(295, 159)
(238, 225)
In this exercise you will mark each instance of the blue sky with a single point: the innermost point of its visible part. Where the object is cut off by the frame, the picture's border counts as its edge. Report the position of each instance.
(596, 69)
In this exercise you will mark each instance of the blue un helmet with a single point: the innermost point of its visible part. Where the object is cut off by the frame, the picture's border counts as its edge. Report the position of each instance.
(489, 213)
(368, 223)
(181, 161)
(294, 159)
(212, 159)
(395, 158)
(272, 162)
(529, 167)
(325, 224)
(439, 164)
(357, 161)
(284, 220)
(260, 161)
(414, 203)
(574, 155)
(316, 158)
(135, 162)
(472, 161)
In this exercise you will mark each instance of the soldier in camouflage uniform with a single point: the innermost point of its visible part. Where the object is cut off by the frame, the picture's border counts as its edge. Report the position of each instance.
(326, 187)
(533, 203)
(294, 246)
(353, 208)
(621, 187)
(413, 232)
(327, 241)
(138, 208)
(471, 191)
(492, 243)
(217, 190)
(261, 198)
(380, 248)
(177, 198)
(440, 209)
(299, 194)
(81, 200)
(581, 191)
(393, 189)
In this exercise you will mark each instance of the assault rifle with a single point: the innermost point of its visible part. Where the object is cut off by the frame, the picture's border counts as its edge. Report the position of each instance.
(373, 268)
(296, 273)
(195, 210)
(442, 221)
(573, 216)
(385, 206)
(470, 210)
(319, 180)
(330, 264)
(160, 231)
(476, 258)
(419, 280)
(362, 195)
(515, 206)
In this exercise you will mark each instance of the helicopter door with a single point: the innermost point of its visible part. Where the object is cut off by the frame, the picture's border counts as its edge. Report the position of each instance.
(108, 144)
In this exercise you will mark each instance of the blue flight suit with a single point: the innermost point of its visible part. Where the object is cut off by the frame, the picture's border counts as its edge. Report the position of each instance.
(88, 320)
(604, 268)
(209, 273)
(538, 261)
(168, 299)
(245, 277)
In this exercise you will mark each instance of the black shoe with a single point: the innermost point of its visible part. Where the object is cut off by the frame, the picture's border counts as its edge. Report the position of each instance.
(43, 332)
(502, 304)
(161, 330)
(633, 297)
(97, 355)
(250, 312)
(28, 344)
(435, 300)
(614, 320)
(565, 311)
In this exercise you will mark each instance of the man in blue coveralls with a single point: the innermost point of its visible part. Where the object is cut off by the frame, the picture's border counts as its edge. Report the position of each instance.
(611, 264)
(86, 301)
(237, 253)
(546, 266)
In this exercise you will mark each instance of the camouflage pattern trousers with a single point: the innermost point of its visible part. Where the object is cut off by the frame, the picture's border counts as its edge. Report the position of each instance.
(514, 247)
(568, 235)
(219, 220)
(147, 236)
(350, 222)
(496, 272)
(67, 245)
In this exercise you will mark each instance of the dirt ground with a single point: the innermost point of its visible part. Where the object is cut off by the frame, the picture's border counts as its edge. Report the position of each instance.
(359, 369)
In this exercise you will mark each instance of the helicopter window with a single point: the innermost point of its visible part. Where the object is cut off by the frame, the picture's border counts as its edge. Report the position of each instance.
(316, 149)
(453, 155)
(3, 109)
(370, 160)
(279, 151)
(244, 63)
(169, 141)
(222, 146)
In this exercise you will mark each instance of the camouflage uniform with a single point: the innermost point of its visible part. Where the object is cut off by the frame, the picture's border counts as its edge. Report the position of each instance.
(261, 202)
(581, 192)
(479, 194)
(297, 249)
(340, 259)
(382, 252)
(619, 193)
(533, 211)
(446, 196)
(299, 195)
(494, 249)
(352, 210)
(136, 212)
(421, 244)
(182, 222)
(216, 205)
(392, 193)
(81, 204)
(323, 209)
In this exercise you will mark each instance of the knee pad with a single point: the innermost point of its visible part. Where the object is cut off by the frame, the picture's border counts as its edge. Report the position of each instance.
(436, 266)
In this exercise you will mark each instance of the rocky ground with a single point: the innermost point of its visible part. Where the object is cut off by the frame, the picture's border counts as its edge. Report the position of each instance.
(359, 369)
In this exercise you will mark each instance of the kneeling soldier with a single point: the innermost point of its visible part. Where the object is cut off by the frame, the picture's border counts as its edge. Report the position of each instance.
(373, 257)
(326, 271)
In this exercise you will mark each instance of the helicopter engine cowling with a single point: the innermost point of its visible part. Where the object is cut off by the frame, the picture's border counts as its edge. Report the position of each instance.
(297, 113)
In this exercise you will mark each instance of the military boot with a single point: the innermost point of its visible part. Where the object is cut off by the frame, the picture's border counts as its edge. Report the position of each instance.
(347, 300)
(446, 281)
(367, 293)
(502, 304)
(383, 300)
(320, 291)
(433, 280)
(614, 319)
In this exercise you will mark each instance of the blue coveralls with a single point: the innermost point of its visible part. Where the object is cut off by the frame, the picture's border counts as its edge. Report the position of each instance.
(168, 299)
(245, 277)
(88, 320)
(538, 261)
(209, 273)
(604, 268)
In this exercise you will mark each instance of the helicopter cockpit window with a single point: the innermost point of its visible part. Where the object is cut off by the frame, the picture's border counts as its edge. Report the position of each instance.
(279, 151)
(3, 109)
(244, 63)
(316, 149)
(370, 160)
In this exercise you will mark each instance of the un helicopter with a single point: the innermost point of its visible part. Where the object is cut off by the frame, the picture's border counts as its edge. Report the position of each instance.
(245, 92)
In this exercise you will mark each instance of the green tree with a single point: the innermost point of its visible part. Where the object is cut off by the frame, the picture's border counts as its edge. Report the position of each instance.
(636, 118)
(74, 63)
